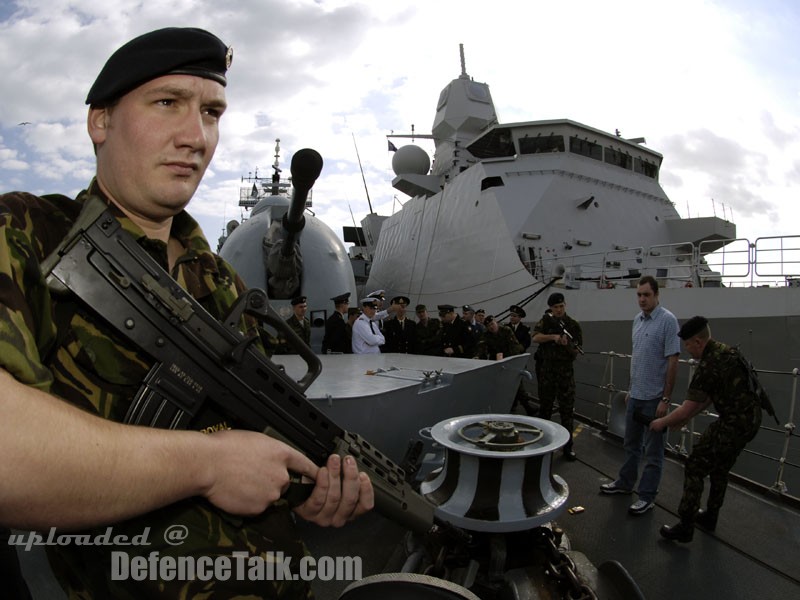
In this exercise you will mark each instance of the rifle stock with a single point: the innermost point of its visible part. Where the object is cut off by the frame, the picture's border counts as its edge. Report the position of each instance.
(201, 364)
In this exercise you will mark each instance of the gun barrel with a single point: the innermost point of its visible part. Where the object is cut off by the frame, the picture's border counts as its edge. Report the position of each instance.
(306, 167)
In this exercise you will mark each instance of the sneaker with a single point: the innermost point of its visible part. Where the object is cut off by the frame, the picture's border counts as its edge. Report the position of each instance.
(640, 507)
(614, 488)
(681, 532)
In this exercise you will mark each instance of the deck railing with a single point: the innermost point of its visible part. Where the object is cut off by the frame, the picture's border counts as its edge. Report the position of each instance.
(609, 408)
(767, 261)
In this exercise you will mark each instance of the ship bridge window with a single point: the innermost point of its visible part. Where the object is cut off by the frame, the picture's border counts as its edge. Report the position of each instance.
(495, 143)
(618, 158)
(645, 168)
(541, 144)
(585, 148)
(490, 182)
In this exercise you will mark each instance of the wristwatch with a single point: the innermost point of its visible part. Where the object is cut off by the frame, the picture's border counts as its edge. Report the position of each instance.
(665, 399)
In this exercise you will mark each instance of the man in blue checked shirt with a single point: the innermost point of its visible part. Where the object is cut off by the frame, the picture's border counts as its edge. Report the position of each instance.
(654, 363)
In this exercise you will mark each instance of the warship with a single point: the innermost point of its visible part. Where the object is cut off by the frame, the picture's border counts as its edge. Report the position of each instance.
(506, 214)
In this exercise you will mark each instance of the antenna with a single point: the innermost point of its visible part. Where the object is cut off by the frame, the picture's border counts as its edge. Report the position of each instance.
(364, 179)
(463, 62)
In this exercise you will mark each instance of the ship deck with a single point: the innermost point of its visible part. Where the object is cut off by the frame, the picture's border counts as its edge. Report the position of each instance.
(753, 553)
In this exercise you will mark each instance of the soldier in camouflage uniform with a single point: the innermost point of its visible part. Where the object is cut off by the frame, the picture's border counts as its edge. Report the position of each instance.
(554, 359)
(497, 342)
(298, 321)
(153, 119)
(721, 378)
(428, 333)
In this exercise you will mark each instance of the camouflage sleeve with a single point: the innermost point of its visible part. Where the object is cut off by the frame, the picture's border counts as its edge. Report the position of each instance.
(26, 323)
(539, 327)
(701, 385)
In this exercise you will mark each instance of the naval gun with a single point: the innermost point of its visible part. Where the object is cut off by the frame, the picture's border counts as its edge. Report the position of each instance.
(283, 248)
(282, 255)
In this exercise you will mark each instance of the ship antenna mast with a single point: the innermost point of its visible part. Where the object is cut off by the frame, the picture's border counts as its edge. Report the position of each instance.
(276, 174)
(463, 62)
(364, 179)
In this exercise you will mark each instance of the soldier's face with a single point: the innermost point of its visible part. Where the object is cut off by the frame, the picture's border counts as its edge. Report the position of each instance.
(300, 310)
(693, 347)
(493, 327)
(514, 318)
(155, 143)
(559, 310)
(422, 315)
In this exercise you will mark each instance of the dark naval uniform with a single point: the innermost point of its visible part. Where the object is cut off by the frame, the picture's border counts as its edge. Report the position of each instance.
(400, 336)
(458, 336)
(60, 346)
(337, 335)
(721, 377)
(554, 372)
(492, 344)
(523, 333)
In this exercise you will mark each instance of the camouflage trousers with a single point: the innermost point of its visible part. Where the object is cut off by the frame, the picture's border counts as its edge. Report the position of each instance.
(557, 382)
(713, 455)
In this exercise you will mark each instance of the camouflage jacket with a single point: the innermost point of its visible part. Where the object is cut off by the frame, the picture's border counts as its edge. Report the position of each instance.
(721, 377)
(556, 352)
(490, 344)
(301, 328)
(61, 347)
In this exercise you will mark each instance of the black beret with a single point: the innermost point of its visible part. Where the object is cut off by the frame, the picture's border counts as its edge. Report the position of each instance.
(401, 300)
(446, 308)
(174, 50)
(555, 298)
(692, 327)
(480, 311)
(342, 299)
(420, 308)
(516, 310)
(467, 308)
(298, 300)
(488, 320)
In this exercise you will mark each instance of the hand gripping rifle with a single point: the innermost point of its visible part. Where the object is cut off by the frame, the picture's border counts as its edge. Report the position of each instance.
(200, 362)
(562, 329)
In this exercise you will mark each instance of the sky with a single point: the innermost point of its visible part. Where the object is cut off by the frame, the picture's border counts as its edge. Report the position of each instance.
(711, 85)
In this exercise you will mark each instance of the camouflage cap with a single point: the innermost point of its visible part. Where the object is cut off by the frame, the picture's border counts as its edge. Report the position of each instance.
(169, 51)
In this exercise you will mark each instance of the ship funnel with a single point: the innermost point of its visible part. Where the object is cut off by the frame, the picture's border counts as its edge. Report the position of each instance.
(497, 472)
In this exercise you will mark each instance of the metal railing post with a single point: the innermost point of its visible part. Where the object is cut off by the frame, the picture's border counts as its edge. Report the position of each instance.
(779, 485)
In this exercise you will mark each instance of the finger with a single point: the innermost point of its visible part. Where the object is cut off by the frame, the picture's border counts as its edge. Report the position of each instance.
(300, 463)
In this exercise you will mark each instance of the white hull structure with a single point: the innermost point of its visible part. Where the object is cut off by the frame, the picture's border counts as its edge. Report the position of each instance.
(511, 210)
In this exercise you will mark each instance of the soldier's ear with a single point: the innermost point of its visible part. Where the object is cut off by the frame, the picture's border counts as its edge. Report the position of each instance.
(97, 123)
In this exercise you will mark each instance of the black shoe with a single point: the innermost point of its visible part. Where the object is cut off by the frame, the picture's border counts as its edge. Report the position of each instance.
(569, 454)
(680, 532)
(706, 520)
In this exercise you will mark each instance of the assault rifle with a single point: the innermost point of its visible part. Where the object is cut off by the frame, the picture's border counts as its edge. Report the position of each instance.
(564, 331)
(201, 364)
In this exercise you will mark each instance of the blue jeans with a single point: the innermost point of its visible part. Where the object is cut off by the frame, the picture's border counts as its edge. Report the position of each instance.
(638, 436)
